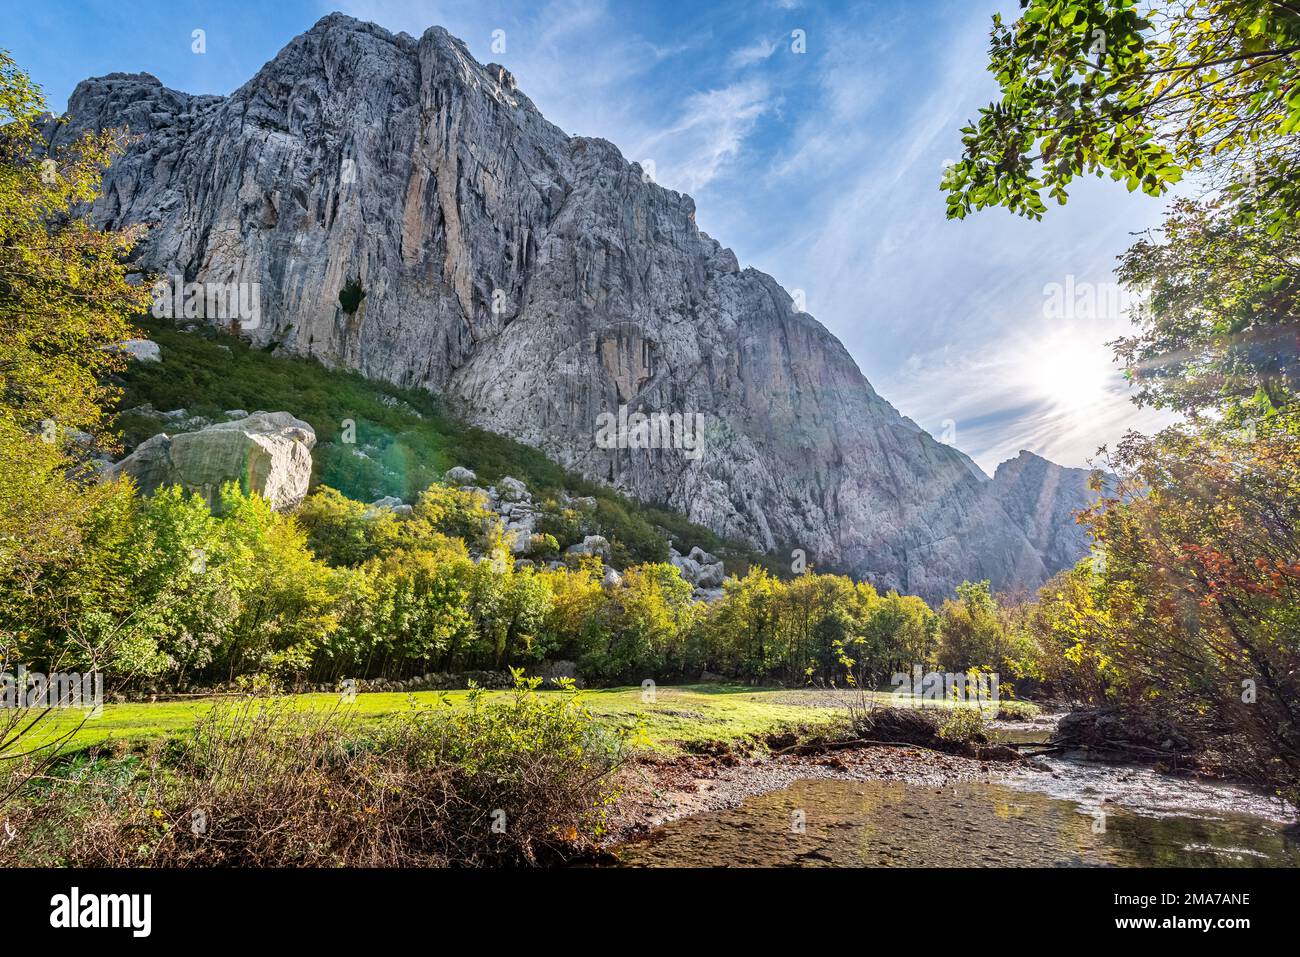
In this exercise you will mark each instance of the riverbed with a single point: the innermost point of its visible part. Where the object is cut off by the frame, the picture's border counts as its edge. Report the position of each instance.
(918, 809)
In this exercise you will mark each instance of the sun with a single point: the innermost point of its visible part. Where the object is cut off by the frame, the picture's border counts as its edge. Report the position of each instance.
(1072, 375)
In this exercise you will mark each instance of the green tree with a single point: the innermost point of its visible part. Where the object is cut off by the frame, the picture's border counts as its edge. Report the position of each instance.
(651, 613)
(64, 298)
(173, 578)
(902, 633)
(343, 532)
(743, 624)
(972, 634)
(577, 627)
(64, 291)
(1099, 87)
(1218, 315)
(1070, 628)
(287, 599)
(451, 511)
(423, 619)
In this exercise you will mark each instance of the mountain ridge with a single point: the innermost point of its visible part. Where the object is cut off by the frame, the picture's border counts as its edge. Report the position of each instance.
(538, 280)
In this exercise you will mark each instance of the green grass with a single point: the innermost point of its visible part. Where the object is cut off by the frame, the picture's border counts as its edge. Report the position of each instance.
(682, 715)
(679, 716)
(408, 437)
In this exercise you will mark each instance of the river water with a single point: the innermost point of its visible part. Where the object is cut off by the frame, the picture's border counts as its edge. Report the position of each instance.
(1069, 813)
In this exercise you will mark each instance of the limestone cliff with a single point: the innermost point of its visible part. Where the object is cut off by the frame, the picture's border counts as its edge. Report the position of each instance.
(539, 281)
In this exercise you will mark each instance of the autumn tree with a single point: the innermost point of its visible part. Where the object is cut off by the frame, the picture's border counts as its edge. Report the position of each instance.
(1201, 580)
(65, 300)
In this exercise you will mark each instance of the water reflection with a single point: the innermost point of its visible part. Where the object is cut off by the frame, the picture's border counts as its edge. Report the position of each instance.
(890, 824)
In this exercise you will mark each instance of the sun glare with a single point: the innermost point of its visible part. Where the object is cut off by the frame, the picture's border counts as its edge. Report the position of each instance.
(1073, 375)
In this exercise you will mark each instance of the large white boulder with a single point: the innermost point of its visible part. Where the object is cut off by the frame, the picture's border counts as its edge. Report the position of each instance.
(267, 452)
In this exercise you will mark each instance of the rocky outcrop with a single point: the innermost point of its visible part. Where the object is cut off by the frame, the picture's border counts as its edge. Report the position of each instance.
(141, 350)
(544, 285)
(509, 499)
(701, 569)
(510, 489)
(267, 452)
(591, 545)
(1044, 500)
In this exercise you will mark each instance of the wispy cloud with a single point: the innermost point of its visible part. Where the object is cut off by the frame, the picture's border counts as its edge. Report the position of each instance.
(592, 76)
(1040, 384)
(708, 134)
(944, 317)
(756, 52)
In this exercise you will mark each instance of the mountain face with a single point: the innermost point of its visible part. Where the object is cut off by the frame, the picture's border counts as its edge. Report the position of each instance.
(1043, 498)
(544, 285)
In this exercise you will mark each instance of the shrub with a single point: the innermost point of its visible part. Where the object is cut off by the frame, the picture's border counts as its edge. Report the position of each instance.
(542, 545)
(450, 511)
(962, 725)
(562, 524)
(517, 780)
(343, 532)
(351, 294)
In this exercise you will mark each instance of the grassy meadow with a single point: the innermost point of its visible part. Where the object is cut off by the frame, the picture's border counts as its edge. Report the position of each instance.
(678, 718)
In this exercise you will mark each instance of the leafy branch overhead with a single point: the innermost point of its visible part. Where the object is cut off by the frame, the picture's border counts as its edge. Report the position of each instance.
(1100, 87)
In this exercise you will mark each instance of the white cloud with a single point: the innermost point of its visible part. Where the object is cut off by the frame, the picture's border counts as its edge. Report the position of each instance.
(691, 152)
(756, 52)
(943, 316)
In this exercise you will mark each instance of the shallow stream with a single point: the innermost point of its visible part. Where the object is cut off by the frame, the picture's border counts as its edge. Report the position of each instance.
(1070, 813)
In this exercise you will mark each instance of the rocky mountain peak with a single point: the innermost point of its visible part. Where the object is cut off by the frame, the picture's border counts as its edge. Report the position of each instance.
(548, 289)
(1043, 499)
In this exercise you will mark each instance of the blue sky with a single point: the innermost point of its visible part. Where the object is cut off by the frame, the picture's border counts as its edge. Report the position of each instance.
(820, 167)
